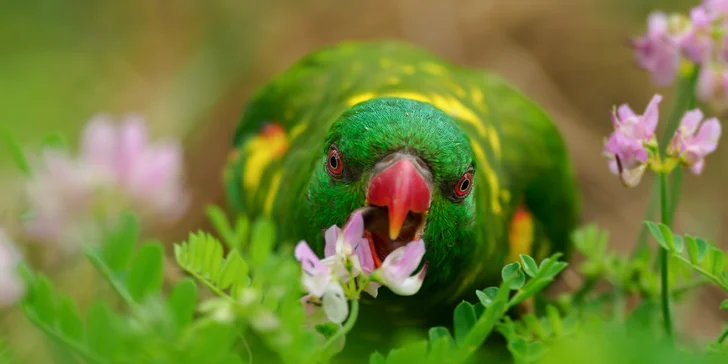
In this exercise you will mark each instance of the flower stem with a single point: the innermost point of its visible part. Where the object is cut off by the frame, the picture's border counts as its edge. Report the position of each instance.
(665, 215)
(344, 330)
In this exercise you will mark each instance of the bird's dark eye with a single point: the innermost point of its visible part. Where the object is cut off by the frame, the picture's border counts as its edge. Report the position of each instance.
(464, 185)
(334, 164)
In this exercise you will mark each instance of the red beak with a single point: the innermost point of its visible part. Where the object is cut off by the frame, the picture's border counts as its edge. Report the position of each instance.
(402, 188)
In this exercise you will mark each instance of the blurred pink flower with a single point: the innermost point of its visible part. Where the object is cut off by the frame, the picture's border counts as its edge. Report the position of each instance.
(657, 51)
(712, 84)
(117, 168)
(626, 146)
(691, 144)
(696, 41)
(717, 7)
(11, 286)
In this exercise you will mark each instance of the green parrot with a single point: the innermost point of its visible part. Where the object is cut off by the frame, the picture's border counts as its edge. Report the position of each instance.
(452, 155)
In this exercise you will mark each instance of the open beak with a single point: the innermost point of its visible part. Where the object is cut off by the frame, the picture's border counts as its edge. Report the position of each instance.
(400, 194)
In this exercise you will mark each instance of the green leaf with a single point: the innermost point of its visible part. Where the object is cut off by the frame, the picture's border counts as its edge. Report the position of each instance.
(439, 332)
(679, 243)
(555, 320)
(463, 320)
(262, 240)
(668, 236)
(724, 305)
(44, 299)
(100, 336)
(220, 221)
(377, 358)
(412, 353)
(513, 274)
(441, 347)
(487, 296)
(534, 325)
(529, 265)
(692, 245)
(118, 245)
(234, 270)
(702, 248)
(16, 151)
(657, 234)
(69, 319)
(145, 276)
(519, 348)
(182, 302)
(717, 259)
(242, 229)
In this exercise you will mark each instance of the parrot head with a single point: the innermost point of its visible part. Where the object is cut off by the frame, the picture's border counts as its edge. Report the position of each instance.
(409, 165)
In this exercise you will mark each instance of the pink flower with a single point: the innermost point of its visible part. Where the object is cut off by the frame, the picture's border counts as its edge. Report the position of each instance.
(397, 268)
(117, 168)
(656, 51)
(318, 279)
(718, 7)
(697, 42)
(626, 146)
(11, 286)
(712, 85)
(692, 147)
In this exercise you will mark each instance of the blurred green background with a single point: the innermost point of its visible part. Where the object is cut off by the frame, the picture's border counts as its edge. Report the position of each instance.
(189, 67)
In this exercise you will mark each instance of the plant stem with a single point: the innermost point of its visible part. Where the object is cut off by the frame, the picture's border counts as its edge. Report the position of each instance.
(344, 330)
(667, 318)
(723, 336)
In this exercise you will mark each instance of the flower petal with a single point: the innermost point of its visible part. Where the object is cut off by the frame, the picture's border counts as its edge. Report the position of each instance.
(403, 261)
(335, 304)
(707, 138)
(409, 285)
(354, 229)
(98, 142)
(330, 236)
(625, 112)
(309, 261)
(691, 120)
(652, 114)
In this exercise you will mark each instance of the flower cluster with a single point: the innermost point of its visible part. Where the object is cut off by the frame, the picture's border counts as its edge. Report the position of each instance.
(348, 269)
(117, 168)
(700, 37)
(11, 286)
(632, 147)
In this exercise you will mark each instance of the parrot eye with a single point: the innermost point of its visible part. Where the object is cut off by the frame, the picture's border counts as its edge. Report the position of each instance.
(464, 185)
(334, 164)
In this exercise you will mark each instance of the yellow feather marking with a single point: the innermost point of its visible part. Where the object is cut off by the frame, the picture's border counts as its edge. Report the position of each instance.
(433, 68)
(385, 63)
(261, 151)
(490, 177)
(494, 142)
(520, 234)
(360, 98)
(409, 95)
(275, 182)
(393, 80)
(455, 108)
(297, 130)
(408, 69)
(505, 195)
(477, 95)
